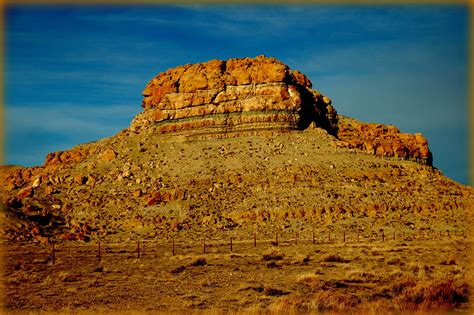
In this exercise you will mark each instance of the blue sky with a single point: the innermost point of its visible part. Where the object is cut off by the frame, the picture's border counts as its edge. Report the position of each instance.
(75, 74)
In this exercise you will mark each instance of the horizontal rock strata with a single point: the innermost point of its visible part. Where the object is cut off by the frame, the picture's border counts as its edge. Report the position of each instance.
(233, 96)
(382, 140)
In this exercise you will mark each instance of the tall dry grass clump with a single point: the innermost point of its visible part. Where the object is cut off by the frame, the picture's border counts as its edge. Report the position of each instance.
(438, 295)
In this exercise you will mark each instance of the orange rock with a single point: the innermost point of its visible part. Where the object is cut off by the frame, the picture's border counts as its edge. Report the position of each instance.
(108, 155)
(25, 192)
(137, 193)
(154, 198)
(80, 179)
(48, 190)
(301, 78)
(235, 86)
(178, 195)
(383, 140)
(167, 196)
(56, 159)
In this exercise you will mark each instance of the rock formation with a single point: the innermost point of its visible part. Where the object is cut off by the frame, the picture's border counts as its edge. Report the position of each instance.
(236, 95)
(223, 98)
(382, 140)
(270, 147)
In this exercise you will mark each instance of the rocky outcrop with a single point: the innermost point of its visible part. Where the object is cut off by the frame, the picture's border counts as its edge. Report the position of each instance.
(56, 159)
(233, 96)
(383, 140)
(223, 98)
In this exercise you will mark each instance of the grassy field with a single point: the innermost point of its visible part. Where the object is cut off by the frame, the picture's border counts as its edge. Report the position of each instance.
(365, 274)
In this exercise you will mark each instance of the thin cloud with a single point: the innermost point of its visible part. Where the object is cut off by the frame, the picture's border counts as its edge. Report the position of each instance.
(79, 118)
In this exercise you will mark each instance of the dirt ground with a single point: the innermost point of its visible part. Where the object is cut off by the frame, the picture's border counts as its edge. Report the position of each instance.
(363, 273)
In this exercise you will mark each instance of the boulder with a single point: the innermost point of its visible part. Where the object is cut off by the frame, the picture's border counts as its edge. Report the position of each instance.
(108, 155)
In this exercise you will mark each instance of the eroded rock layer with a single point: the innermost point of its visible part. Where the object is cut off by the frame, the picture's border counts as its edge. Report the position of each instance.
(383, 140)
(236, 95)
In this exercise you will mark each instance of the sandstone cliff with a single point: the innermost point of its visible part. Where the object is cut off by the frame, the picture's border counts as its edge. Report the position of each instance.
(233, 96)
(227, 98)
(382, 140)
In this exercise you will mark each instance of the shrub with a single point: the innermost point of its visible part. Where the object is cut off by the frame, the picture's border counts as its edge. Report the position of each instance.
(273, 255)
(445, 294)
(333, 301)
(395, 261)
(358, 276)
(274, 292)
(450, 261)
(334, 258)
(199, 262)
(272, 264)
(308, 279)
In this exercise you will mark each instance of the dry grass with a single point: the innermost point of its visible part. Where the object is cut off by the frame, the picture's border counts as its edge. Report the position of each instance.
(451, 260)
(361, 276)
(262, 280)
(273, 255)
(442, 295)
(334, 258)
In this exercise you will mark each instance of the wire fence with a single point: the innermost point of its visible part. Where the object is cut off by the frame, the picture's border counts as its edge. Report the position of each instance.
(237, 242)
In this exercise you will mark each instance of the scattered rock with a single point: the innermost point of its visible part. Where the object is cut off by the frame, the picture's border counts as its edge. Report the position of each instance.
(108, 155)
(26, 192)
(37, 182)
(137, 193)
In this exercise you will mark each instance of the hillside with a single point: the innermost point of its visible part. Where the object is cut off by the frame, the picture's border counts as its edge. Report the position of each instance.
(238, 187)
(226, 144)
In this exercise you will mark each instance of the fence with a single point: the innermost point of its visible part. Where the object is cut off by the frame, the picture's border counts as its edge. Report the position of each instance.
(177, 245)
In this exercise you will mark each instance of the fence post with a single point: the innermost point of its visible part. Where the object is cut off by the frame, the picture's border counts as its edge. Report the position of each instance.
(313, 236)
(231, 243)
(254, 239)
(204, 245)
(172, 245)
(329, 235)
(54, 254)
(296, 238)
(383, 236)
(344, 236)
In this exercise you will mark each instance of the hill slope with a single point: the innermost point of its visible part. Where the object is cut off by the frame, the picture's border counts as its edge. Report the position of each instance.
(237, 143)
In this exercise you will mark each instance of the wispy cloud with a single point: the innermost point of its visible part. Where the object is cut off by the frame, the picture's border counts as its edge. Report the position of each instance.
(33, 131)
(75, 118)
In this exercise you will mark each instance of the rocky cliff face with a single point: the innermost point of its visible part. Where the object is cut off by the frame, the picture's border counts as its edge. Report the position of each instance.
(237, 95)
(382, 140)
(228, 98)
